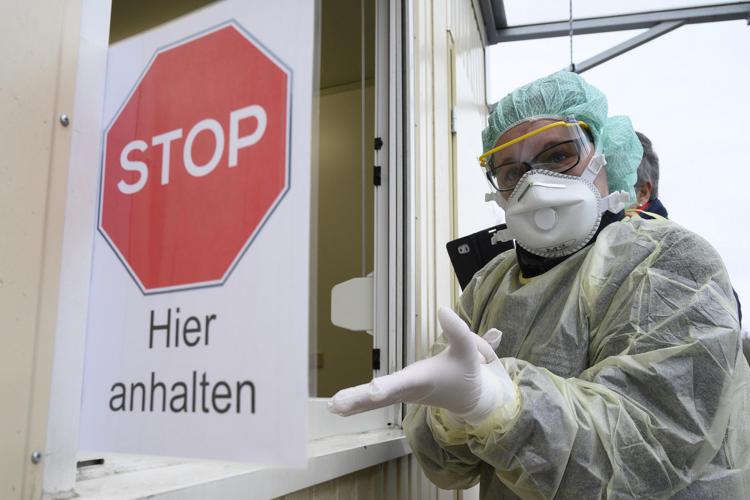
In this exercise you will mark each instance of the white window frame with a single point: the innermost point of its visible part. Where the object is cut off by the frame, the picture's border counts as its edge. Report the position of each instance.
(337, 446)
(388, 267)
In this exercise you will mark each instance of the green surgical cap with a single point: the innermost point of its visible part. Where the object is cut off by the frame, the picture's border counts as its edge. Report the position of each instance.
(567, 94)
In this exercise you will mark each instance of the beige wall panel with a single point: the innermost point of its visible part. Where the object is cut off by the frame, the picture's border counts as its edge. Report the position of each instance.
(346, 487)
(325, 491)
(365, 484)
(434, 190)
(424, 176)
(38, 47)
(442, 187)
(465, 22)
(299, 495)
(472, 213)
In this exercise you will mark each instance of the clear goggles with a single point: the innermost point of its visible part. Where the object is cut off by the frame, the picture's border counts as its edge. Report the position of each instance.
(555, 145)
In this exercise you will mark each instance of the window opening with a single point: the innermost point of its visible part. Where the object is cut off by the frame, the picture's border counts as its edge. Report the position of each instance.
(345, 232)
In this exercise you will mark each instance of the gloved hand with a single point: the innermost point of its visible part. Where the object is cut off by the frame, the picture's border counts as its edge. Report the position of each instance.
(467, 379)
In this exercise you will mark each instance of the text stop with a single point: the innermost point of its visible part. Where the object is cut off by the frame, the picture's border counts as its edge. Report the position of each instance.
(235, 143)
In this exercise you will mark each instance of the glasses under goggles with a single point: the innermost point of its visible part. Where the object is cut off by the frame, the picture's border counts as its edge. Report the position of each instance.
(558, 146)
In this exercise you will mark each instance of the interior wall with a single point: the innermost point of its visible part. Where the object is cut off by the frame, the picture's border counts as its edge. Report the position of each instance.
(344, 357)
(130, 17)
(340, 41)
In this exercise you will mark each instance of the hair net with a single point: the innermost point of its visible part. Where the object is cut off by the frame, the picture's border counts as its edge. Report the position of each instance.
(567, 94)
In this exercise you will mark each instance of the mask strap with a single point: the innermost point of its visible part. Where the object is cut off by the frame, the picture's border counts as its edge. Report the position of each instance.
(501, 235)
(595, 165)
(497, 197)
(615, 202)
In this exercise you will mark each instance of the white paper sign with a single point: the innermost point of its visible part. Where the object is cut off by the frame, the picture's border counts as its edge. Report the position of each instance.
(198, 317)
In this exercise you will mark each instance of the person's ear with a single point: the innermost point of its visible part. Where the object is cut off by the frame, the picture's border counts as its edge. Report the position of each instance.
(648, 189)
(643, 194)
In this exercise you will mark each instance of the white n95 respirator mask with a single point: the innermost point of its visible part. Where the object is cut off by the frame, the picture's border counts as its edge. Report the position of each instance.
(551, 214)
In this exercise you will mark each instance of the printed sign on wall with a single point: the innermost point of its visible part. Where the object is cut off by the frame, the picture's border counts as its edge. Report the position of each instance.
(198, 316)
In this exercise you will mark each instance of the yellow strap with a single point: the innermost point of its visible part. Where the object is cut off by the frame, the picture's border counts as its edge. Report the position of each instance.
(632, 212)
(524, 281)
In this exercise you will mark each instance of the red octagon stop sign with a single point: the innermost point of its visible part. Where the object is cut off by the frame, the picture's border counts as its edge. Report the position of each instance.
(196, 159)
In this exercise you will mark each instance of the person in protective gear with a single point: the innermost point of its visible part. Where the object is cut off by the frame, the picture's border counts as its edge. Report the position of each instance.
(620, 373)
(647, 184)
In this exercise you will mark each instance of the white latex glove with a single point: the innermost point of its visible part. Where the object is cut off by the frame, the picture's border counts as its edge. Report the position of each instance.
(466, 378)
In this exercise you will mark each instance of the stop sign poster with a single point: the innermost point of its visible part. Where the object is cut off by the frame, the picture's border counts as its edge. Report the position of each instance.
(198, 314)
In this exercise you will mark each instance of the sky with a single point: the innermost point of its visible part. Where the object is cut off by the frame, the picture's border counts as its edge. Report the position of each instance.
(689, 92)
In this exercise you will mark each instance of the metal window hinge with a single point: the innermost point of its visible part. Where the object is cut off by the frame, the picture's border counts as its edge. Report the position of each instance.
(376, 359)
(453, 120)
(377, 175)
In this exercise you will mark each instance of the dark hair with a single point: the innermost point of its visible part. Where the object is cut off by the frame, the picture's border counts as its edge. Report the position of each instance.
(648, 170)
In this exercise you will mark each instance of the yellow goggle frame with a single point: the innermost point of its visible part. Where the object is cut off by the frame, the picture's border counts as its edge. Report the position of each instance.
(487, 154)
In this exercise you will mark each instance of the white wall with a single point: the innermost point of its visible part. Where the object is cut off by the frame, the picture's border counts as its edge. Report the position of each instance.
(688, 91)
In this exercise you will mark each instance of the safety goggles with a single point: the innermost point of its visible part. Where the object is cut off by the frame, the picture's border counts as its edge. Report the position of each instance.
(558, 146)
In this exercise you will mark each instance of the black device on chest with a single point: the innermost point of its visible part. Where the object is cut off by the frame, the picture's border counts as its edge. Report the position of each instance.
(471, 253)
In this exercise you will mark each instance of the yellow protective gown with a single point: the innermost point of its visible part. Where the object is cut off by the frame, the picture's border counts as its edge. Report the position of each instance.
(630, 377)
